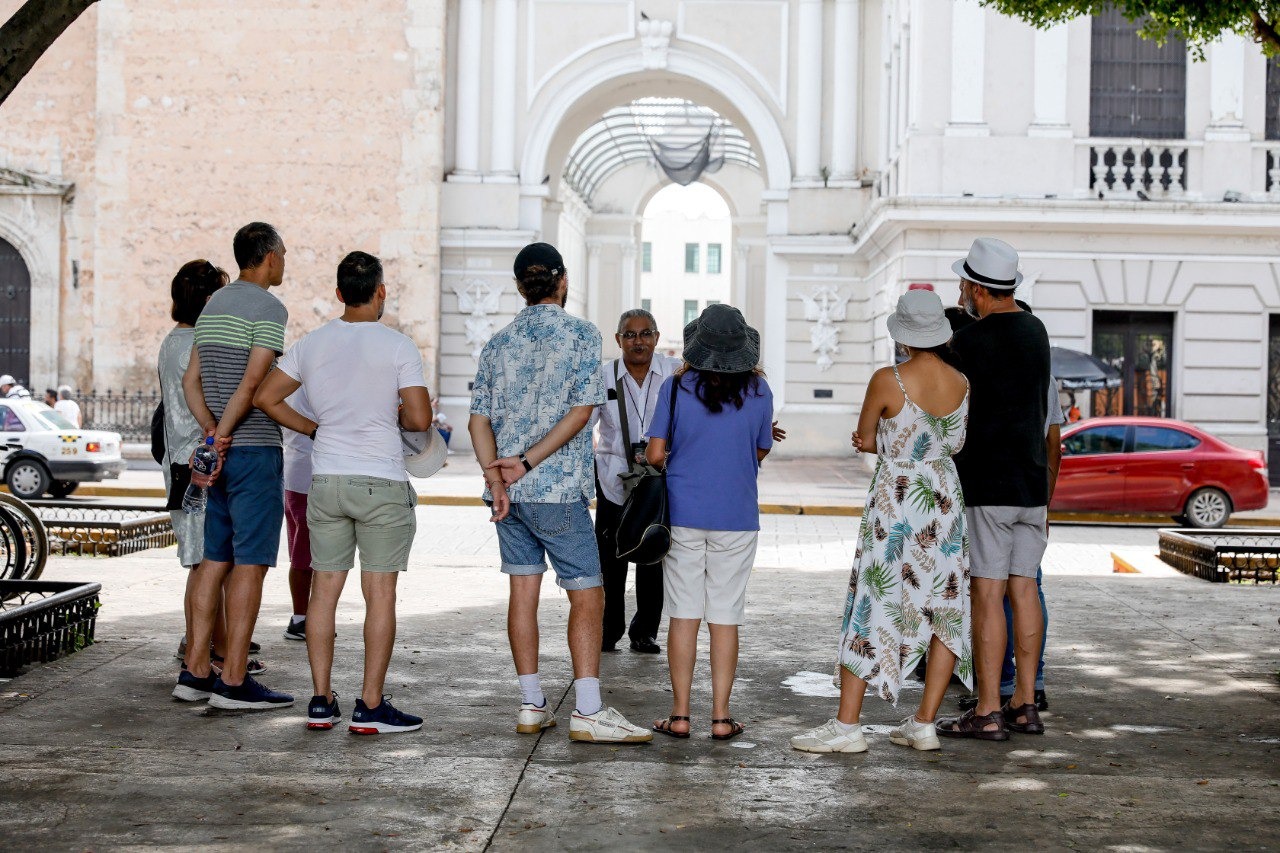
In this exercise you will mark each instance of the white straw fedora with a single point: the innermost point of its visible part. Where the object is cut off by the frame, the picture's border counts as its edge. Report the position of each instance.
(919, 320)
(991, 262)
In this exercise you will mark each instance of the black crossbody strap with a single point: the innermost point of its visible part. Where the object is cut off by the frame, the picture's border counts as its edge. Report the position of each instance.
(622, 411)
(671, 415)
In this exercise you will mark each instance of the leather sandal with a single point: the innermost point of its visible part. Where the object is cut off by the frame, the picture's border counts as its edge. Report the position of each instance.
(664, 726)
(969, 724)
(735, 728)
(1028, 712)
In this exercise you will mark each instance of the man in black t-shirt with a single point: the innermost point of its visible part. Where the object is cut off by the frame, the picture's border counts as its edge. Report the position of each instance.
(1005, 477)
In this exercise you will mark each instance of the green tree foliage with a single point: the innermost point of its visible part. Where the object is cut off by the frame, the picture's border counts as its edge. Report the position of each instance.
(1198, 22)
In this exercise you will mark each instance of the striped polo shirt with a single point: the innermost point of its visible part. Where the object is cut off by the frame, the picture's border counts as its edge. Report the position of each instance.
(236, 319)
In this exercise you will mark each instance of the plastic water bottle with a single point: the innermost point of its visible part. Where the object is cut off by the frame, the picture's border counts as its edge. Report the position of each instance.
(203, 463)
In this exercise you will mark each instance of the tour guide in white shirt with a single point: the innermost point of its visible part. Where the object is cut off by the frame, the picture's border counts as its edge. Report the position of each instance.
(639, 373)
(364, 382)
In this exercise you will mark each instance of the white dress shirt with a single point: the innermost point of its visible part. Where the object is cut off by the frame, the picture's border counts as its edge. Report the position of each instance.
(611, 456)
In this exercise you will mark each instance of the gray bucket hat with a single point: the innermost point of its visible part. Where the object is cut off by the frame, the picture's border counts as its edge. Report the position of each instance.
(919, 321)
(720, 341)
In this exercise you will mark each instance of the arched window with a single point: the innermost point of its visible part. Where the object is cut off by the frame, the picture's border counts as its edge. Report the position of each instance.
(1137, 87)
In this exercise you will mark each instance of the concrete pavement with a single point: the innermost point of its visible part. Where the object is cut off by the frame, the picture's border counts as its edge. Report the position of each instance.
(1163, 729)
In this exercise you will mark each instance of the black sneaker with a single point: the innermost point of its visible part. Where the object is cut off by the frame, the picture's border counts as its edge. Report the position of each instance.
(296, 631)
(384, 718)
(322, 713)
(192, 689)
(250, 696)
(253, 667)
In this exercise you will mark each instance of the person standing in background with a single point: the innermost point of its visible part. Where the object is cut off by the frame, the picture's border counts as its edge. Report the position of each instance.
(297, 484)
(68, 407)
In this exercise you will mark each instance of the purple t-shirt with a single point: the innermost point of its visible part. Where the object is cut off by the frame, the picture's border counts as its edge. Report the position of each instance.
(711, 473)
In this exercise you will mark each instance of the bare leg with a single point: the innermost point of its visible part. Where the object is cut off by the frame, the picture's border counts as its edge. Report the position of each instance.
(186, 601)
(380, 631)
(220, 625)
(325, 593)
(682, 652)
(206, 596)
(1028, 633)
(852, 691)
(724, 666)
(937, 675)
(300, 588)
(522, 622)
(243, 591)
(586, 624)
(987, 597)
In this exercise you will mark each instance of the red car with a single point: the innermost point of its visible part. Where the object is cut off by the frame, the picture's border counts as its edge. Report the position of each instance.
(1156, 465)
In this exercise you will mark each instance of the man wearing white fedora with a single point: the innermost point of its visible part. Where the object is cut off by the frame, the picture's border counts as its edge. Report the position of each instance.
(1004, 472)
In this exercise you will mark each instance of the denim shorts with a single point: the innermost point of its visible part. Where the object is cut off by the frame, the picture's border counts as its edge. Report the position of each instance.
(561, 531)
(246, 508)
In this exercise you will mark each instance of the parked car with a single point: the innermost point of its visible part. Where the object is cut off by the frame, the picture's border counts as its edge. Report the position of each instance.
(41, 451)
(1156, 465)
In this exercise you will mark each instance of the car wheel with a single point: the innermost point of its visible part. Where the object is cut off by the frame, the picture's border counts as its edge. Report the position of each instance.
(62, 488)
(27, 478)
(1208, 508)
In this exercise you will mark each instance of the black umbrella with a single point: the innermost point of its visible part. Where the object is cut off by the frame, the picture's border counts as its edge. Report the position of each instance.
(1077, 371)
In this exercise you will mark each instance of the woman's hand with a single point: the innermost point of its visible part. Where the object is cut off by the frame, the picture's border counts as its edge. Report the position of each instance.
(857, 441)
(779, 434)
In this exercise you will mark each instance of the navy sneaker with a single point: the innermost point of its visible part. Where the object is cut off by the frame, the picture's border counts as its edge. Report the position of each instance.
(250, 696)
(322, 713)
(384, 718)
(296, 631)
(192, 689)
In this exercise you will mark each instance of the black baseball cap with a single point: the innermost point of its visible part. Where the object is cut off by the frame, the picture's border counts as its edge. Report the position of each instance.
(539, 255)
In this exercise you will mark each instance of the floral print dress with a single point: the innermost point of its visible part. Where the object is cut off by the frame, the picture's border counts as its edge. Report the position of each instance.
(910, 577)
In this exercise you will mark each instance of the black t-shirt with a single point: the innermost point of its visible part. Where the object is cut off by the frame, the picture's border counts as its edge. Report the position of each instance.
(1006, 359)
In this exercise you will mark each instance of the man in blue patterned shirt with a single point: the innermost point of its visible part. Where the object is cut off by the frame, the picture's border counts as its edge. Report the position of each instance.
(536, 387)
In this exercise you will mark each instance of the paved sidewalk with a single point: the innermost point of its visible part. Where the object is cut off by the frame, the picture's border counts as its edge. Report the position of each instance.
(1163, 732)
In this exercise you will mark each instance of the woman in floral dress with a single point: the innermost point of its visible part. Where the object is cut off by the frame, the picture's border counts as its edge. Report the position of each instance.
(909, 590)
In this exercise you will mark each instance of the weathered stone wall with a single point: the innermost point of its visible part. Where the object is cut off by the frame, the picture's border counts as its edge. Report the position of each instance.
(179, 122)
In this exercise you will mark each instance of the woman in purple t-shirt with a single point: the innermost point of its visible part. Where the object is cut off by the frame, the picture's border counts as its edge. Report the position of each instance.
(721, 430)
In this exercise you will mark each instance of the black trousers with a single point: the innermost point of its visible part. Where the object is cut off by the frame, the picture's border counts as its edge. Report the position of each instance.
(648, 582)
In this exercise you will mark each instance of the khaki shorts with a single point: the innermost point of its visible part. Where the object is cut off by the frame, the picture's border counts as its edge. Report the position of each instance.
(705, 574)
(346, 511)
(1006, 540)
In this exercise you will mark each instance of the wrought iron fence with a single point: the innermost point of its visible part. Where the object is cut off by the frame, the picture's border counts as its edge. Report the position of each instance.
(1241, 554)
(126, 412)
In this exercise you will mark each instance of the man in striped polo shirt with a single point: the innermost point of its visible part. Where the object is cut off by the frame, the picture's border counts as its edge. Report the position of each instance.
(238, 337)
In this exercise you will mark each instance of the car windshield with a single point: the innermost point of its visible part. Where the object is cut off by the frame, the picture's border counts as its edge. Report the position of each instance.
(48, 417)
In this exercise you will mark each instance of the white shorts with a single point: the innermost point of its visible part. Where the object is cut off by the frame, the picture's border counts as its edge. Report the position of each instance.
(705, 574)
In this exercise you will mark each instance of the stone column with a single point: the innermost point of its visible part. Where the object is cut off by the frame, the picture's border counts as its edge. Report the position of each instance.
(844, 107)
(466, 154)
(502, 156)
(1226, 85)
(1050, 83)
(968, 52)
(809, 92)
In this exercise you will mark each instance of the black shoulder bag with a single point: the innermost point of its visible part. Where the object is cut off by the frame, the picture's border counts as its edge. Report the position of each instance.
(644, 526)
(179, 472)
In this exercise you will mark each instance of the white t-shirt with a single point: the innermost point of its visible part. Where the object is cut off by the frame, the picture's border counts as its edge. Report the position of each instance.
(352, 374)
(297, 447)
(69, 409)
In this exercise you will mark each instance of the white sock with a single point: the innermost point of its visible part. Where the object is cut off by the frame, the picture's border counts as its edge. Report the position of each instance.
(298, 617)
(531, 690)
(847, 728)
(586, 694)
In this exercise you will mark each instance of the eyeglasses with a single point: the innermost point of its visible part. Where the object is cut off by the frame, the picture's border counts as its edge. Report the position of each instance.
(646, 335)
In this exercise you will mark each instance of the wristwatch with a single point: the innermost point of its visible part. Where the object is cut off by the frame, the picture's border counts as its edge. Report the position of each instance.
(313, 433)
(525, 460)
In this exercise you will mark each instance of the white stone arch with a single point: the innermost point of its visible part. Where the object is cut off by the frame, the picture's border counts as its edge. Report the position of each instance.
(597, 75)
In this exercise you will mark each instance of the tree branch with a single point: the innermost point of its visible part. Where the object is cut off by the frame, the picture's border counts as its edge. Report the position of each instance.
(28, 34)
(1265, 32)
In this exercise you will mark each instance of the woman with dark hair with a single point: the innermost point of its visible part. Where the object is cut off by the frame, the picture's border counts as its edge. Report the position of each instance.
(712, 441)
(189, 291)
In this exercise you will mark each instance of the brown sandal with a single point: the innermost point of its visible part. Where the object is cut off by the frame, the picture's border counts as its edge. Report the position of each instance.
(735, 728)
(969, 724)
(1028, 712)
(664, 726)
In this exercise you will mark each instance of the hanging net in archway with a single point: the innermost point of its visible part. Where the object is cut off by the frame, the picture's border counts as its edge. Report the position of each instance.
(684, 164)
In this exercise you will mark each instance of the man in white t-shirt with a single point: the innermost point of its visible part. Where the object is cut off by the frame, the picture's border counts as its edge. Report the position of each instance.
(68, 407)
(364, 382)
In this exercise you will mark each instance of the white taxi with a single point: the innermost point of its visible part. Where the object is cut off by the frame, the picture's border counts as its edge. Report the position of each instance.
(41, 451)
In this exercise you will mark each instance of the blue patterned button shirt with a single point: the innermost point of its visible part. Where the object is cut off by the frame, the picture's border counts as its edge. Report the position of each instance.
(531, 374)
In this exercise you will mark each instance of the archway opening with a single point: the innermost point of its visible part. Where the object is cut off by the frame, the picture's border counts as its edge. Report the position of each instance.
(685, 250)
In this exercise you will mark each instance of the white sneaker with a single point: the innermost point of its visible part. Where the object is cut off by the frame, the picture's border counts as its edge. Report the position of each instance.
(606, 726)
(533, 719)
(829, 737)
(917, 735)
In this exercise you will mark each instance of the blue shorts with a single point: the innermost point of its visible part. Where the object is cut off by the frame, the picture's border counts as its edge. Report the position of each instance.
(246, 507)
(563, 532)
